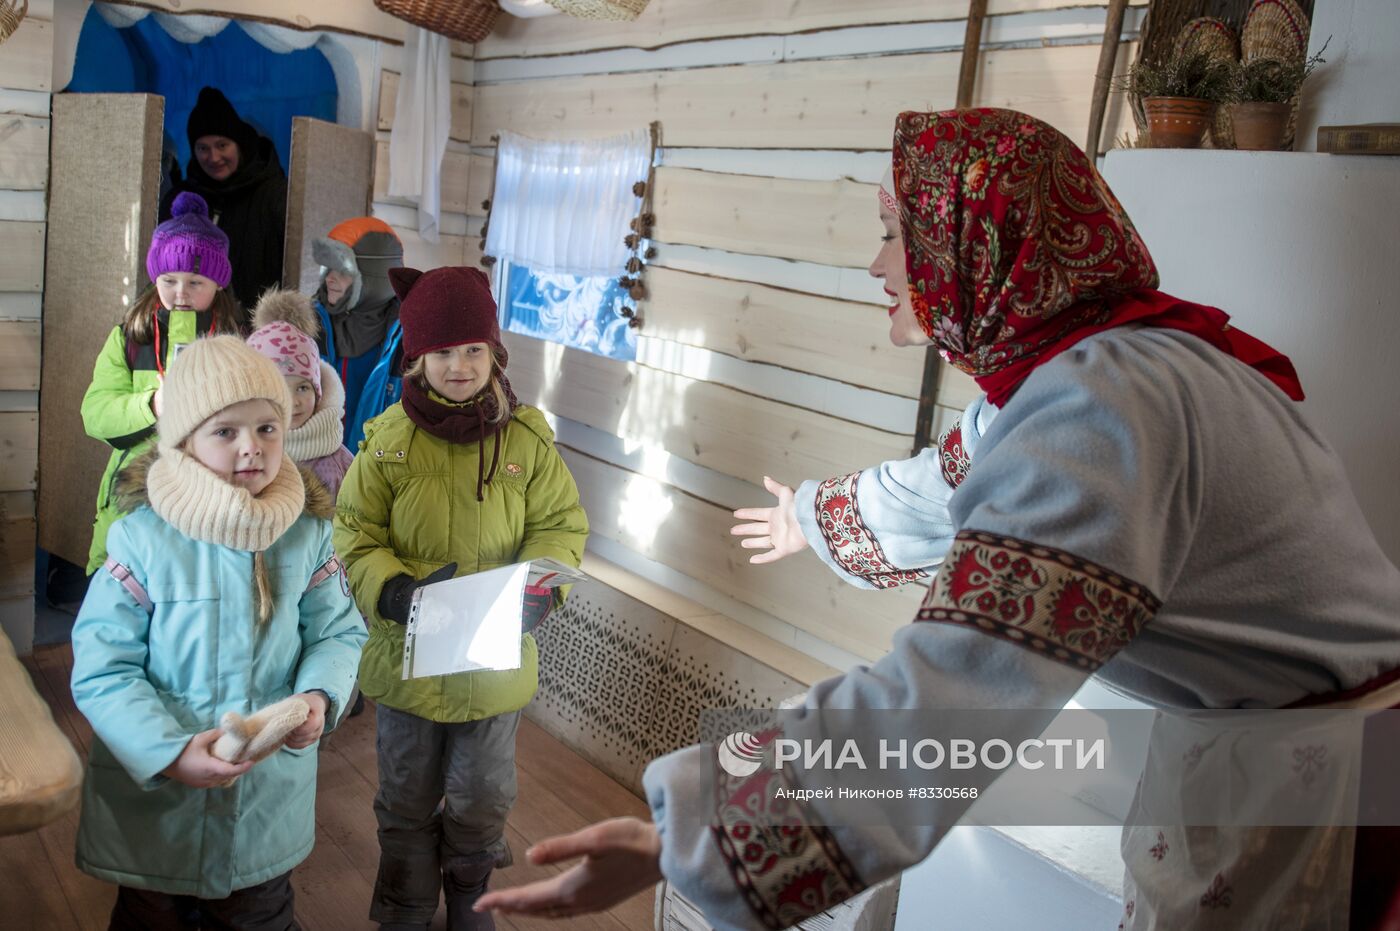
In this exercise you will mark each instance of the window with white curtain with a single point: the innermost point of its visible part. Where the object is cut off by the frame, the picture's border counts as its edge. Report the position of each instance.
(559, 214)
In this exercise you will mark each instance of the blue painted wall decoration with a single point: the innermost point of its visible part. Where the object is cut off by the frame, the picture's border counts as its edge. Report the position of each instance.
(578, 312)
(266, 88)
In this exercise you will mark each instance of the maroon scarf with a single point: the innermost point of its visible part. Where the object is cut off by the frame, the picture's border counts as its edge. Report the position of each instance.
(1016, 250)
(473, 421)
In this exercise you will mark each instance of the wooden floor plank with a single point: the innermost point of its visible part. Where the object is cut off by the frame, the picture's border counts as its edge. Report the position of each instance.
(342, 802)
(56, 662)
(89, 900)
(354, 739)
(331, 893)
(567, 775)
(40, 902)
(41, 685)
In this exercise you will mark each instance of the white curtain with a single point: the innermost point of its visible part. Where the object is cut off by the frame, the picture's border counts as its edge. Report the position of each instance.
(120, 17)
(422, 122)
(564, 206)
(190, 29)
(280, 39)
(194, 28)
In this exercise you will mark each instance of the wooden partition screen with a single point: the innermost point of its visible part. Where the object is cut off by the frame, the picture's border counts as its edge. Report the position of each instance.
(331, 180)
(105, 174)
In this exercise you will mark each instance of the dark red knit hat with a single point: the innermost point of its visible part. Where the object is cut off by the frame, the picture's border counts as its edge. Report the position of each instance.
(445, 307)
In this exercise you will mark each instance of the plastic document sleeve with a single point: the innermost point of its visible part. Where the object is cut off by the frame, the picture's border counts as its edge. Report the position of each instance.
(473, 622)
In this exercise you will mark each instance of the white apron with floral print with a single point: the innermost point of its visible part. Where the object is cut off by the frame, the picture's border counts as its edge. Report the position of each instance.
(1238, 877)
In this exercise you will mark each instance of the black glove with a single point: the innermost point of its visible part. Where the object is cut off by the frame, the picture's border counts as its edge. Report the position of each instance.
(396, 596)
(538, 603)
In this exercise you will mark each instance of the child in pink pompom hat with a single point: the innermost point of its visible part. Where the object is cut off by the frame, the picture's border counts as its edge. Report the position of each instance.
(286, 333)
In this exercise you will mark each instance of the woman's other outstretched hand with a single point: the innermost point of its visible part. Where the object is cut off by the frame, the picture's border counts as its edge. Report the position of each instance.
(772, 529)
(621, 857)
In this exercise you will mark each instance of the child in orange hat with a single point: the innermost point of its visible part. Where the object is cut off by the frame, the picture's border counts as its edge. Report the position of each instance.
(360, 333)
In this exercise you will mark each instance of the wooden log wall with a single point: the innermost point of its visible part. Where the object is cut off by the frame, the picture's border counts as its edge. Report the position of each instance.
(765, 346)
(25, 88)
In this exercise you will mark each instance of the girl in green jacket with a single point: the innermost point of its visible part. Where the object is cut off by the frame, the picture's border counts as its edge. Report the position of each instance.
(188, 298)
(455, 478)
(222, 596)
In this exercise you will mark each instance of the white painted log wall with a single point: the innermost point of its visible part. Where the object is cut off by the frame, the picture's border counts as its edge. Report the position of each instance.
(26, 82)
(623, 471)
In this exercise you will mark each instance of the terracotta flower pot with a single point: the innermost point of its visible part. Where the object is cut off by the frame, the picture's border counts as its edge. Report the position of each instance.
(1177, 122)
(1260, 125)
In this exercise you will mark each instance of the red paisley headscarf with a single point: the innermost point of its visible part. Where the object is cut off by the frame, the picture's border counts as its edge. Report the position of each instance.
(1016, 250)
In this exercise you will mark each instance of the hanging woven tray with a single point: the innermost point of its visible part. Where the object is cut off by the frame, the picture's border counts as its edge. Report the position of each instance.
(1275, 29)
(11, 12)
(464, 20)
(1215, 38)
(615, 10)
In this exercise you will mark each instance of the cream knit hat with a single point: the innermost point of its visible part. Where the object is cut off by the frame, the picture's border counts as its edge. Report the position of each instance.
(211, 374)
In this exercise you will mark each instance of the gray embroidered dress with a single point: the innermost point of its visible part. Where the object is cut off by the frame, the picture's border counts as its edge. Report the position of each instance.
(1166, 519)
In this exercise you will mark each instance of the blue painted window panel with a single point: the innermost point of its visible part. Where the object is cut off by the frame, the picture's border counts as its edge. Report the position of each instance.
(567, 309)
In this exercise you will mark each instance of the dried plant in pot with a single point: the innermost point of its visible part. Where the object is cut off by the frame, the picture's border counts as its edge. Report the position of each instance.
(1263, 94)
(1179, 96)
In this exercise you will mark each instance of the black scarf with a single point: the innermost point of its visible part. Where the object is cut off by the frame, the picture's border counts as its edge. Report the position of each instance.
(361, 328)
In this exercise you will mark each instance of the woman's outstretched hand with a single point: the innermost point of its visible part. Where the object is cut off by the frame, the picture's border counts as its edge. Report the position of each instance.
(621, 857)
(773, 529)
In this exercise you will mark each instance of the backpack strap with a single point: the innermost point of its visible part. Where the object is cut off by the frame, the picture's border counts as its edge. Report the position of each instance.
(330, 567)
(128, 581)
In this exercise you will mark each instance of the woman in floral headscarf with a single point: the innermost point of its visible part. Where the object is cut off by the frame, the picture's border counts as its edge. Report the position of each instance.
(1148, 506)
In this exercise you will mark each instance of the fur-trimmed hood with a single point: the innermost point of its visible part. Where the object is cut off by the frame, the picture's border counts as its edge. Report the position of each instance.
(131, 492)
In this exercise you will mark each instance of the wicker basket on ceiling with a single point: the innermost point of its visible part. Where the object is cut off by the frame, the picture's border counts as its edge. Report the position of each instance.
(616, 10)
(464, 20)
(11, 12)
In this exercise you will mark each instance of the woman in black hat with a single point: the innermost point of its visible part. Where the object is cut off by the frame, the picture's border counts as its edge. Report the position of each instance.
(237, 172)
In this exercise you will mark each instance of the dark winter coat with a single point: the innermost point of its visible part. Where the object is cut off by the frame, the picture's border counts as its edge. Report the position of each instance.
(251, 207)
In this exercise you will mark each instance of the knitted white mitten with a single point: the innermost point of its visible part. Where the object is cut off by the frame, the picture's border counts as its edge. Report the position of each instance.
(261, 733)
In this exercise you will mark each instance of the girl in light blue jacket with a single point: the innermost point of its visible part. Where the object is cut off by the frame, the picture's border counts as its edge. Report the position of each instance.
(221, 594)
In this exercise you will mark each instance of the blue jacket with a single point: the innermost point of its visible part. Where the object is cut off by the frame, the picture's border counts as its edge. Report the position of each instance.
(149, 681)
(371, 385)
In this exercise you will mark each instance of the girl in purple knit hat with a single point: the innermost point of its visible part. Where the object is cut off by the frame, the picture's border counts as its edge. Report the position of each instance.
(188, 298)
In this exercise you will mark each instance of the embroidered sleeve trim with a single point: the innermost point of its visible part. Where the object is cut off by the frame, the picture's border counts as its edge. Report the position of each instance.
(952, 457)
(1050, 601)
(851, 543)
(786, 867)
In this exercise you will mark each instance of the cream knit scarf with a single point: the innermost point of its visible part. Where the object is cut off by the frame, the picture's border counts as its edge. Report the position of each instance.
(202, 506)
(324, 431)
